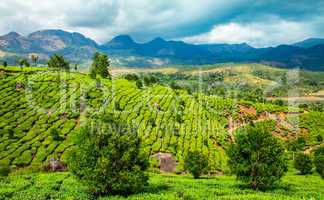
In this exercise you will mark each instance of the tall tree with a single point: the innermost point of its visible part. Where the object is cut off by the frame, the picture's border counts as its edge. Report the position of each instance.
(34, 58)
(58, 61)
(100, 66)
(23, 62)
(4, 64)
(319, 160)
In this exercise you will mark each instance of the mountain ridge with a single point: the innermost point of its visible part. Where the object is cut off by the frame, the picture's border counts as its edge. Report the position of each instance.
(124, 50)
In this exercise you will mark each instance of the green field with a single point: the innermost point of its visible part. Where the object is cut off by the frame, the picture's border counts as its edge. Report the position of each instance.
(168, 186)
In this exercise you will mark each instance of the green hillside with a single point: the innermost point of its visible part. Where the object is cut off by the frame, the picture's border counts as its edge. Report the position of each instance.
(42, 109)
(34, 102)
(167, 120)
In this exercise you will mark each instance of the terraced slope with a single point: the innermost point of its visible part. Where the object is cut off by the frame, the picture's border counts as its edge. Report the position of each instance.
(34, 103)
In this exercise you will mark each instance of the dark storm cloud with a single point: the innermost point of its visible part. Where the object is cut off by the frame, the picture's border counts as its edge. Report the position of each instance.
(197, 21)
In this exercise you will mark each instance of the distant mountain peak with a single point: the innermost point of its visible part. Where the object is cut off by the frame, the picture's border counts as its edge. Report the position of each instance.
(123, 39)
(49, 32)
(310, 42)
(157, 40)
(13, 34)
(120, 42)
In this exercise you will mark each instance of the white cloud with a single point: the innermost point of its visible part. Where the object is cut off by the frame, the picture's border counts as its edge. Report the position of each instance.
(256, 34)
(233, 20)
(273, 33)
(102, 19)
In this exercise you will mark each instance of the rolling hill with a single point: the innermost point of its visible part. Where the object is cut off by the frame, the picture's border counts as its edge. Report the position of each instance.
(36, 101)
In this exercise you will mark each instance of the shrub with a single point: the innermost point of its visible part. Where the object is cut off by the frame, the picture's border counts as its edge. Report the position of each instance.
(150, 79)
(5, 64)
(55, 135)
(107, 158)
(4, 170)
(257, 158)
(303, 163)
(319, 161)
(131, 77)
(297, 144)
(174, 85)
(196, 163)
(178, 117)
(319, 138)
(139, 84)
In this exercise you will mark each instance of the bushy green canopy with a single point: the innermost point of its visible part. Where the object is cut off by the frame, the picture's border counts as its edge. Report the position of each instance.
(303, 163)
(108, 158)
(196, 163)
(319, 161)
(257, 157)
(100, 66)
(58, 61)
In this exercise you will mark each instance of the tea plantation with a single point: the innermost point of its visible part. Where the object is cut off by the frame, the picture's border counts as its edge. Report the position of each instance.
(65, 186)
(167, 120)
(41, 110)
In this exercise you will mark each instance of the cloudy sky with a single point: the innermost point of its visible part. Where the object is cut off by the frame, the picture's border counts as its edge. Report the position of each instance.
(258, 22)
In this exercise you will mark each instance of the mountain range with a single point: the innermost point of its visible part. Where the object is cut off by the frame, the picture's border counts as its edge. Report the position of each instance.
(124, 51)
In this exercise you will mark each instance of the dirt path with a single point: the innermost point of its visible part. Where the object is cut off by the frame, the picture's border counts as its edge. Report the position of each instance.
(268, 116)
(311, 148)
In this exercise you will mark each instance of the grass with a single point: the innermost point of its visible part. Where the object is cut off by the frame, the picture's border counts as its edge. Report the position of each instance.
(167, 186)
(24, 69)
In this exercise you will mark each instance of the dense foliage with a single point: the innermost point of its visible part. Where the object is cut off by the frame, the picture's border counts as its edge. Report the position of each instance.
(100, 66)
(303, 163)
(257, 157)
(23, 62)
(107, 157)
(58, 61)
(4, 170)
(34, 58)
(319, 161)
(4, 64)
(196, 163)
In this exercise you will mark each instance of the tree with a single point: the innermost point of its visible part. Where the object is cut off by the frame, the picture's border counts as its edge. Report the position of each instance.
(34, 59)
(297, 144)
(100, 65)
(319, 160)
(139, 84)
(107, 157)
(150, 79)
(257, 158)
(23, 62)
(58, 61)
(303, 163)
(196, 163)
(5, 64)
(4, 170)
(55, 135)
